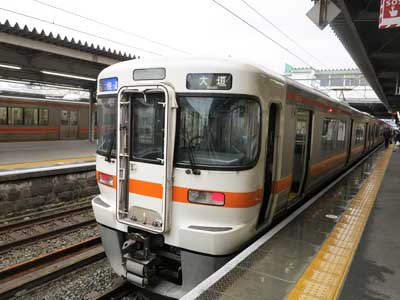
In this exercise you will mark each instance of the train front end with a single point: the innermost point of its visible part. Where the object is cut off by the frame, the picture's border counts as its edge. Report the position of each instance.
(178, 169)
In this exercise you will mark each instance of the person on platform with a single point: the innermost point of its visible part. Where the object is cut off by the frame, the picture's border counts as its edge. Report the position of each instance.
(386, 136)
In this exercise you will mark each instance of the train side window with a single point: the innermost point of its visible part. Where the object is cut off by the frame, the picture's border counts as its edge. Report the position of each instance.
(43, 116)
(341, 133)
(3, 115)
(329, 128)
(31, 116)
(359, 134)
(15, 116)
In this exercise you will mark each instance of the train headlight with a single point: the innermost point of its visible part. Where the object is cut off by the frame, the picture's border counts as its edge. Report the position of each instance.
(106, 179)
(210, 198)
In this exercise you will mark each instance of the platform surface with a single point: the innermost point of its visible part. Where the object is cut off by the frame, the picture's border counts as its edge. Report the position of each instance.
(31, 155)
(375, 271)
(309, 258)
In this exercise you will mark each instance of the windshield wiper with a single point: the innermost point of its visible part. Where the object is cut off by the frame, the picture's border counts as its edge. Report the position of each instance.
(110, 147)
(190, 153)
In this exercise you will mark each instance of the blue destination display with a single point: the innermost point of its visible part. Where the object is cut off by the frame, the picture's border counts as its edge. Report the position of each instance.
(209, 81)
(108, 84)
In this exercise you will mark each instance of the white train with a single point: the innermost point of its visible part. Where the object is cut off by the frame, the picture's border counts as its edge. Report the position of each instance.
(197, 157)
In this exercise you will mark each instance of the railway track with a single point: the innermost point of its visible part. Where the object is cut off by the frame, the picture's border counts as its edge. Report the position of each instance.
(49, 266)
(43, 215)
(32, 230)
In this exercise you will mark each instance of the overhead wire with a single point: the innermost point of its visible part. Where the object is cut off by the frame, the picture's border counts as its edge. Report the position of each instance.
(80, 31)
(281, 31)
(112, 27)
(263, 34)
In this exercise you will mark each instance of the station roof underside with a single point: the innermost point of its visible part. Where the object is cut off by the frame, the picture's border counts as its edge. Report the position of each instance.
(375, 51)
(35, 52)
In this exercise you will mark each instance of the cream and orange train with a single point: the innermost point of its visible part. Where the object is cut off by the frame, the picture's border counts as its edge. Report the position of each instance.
(196, 157)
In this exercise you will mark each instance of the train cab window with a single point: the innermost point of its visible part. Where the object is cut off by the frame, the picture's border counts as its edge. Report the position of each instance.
(3, 115)
(43, 116)
(106, 124)
(15, 116)
(218, 131)
(31, 116)
(147, 126)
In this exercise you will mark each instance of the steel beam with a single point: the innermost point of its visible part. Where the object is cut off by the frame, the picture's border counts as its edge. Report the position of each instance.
(54, 49)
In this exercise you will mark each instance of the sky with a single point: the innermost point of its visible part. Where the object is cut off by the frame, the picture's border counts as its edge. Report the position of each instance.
(191, 27)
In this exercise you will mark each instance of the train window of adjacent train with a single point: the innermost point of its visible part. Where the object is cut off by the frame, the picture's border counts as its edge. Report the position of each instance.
(43, 116)
(3, 115)
(64, 117)
(73, 117)
(15, 116)
(31, 116)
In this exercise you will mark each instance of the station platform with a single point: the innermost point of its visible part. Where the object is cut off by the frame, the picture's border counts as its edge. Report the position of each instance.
(33, 155)
(316, 253)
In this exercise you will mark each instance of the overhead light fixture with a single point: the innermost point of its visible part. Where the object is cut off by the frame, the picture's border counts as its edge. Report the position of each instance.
(68, 75)
(10, 67)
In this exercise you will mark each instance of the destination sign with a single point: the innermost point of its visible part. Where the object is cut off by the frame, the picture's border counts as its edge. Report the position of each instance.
(209, 81)
(108, 84)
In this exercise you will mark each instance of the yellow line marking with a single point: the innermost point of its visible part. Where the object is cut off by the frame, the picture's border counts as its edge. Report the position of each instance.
(324, 277)
(47, 162)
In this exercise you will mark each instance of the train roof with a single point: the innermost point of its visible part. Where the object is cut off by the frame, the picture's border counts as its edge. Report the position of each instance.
(41, 100)
(223, 63)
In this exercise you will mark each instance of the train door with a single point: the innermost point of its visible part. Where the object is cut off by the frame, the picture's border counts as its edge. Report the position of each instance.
(269, 162)
(366, 137)
(145, 147)
(69, 124)
(301, 153)
(73, 124)
(350, 141)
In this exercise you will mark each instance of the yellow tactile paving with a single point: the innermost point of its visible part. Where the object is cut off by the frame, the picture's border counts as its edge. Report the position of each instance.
(324, 277)
(47, 162)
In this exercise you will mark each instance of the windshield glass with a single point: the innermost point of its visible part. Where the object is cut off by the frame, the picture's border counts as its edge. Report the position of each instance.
(218, 131)
(106, 121)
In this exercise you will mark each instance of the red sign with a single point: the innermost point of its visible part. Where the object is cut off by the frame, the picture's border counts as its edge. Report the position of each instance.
(390, 14)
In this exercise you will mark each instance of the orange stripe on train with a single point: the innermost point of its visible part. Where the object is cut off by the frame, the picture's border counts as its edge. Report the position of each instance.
(281, 185)
(326, 164)
(180, 194)
(233, 200)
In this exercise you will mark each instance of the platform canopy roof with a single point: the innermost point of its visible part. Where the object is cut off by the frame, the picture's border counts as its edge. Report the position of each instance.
(31, 55)
(375, 51)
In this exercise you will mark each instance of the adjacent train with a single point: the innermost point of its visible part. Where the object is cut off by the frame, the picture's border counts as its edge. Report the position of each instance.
(196, 157)
(27, 118)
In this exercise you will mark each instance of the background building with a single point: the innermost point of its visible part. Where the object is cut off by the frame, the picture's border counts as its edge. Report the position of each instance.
(347, 85)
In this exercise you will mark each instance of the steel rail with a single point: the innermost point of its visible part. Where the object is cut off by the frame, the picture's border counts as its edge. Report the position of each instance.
(36, 237)
(45, 218)
(47, 267)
